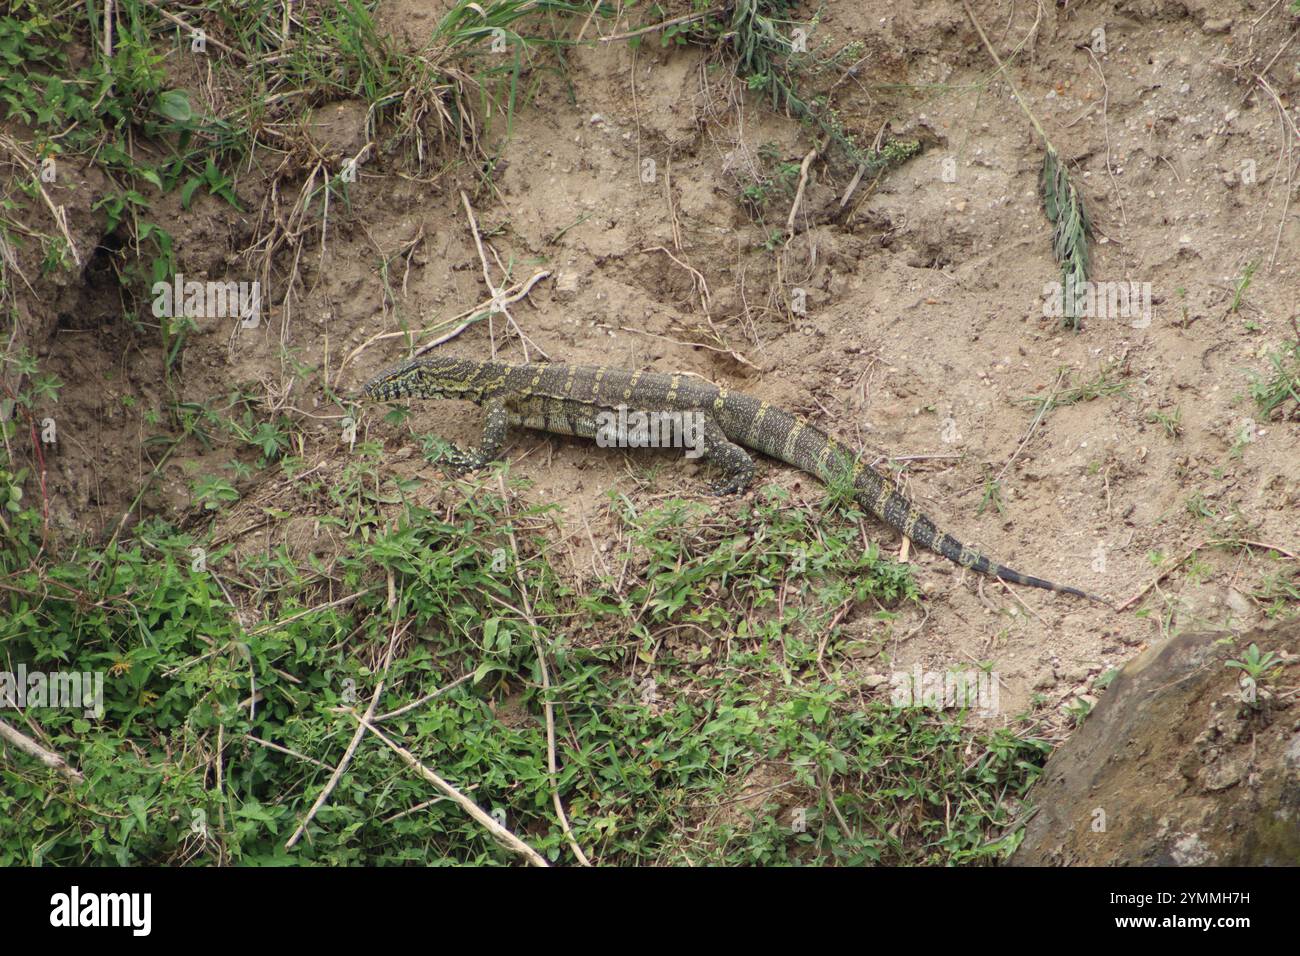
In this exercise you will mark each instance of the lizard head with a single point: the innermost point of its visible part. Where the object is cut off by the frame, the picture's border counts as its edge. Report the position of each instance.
(437, 377)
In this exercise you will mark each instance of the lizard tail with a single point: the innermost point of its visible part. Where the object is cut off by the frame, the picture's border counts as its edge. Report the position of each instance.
(954, 550)
(879, 495)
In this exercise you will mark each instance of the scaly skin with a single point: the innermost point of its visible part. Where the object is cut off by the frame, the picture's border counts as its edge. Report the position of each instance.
(566, 400)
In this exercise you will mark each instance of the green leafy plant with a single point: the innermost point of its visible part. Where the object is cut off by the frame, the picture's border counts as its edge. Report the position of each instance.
(213, 492)
(1273, 392)
(1259, 672)
(216, 182)
(1256, 666)
(675, 690)
(11, 489)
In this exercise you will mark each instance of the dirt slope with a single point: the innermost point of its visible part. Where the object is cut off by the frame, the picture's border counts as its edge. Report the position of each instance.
(923, 325)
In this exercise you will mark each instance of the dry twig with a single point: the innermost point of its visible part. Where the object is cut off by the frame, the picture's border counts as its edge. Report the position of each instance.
(47, 757)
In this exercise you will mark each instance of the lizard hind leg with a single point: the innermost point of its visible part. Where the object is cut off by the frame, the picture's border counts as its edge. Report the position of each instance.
(495, 427)
(733, 461)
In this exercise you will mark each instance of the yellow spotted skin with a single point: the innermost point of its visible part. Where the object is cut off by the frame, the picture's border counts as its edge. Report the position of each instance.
(571, 399)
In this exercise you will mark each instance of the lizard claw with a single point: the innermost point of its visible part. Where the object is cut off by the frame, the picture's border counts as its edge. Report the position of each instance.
(461, 461)
(726, 486)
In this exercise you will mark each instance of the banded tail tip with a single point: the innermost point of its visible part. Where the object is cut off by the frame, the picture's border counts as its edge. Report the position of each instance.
(1009, 576)
(1095, 598)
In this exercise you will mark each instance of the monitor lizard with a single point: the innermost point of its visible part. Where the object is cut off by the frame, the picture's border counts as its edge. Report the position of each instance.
(582, 400)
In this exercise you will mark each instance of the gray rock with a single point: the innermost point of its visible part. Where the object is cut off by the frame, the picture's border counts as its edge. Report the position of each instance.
(1174, 768)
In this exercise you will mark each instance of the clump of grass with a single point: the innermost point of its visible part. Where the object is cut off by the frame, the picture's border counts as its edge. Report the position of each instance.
(1241, 285)
(767, 63)
(775, 177)
(759, 35)
(1109, 380)
(1279, 593)
(1171, 422)
(1199, 508)
(1273, 391)
(991, 496)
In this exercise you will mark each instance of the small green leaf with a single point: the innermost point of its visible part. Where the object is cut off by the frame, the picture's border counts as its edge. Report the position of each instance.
(175, 106)
(140, 807)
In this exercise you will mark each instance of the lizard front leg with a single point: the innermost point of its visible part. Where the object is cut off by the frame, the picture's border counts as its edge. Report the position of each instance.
(733, 461)
(495, 425)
